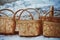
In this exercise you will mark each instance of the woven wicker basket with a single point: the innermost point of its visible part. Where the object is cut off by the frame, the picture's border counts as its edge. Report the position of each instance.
(7, 24)
(29, 27)
(51, 25)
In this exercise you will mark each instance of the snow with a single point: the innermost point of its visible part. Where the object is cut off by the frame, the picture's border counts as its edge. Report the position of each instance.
(16, 37)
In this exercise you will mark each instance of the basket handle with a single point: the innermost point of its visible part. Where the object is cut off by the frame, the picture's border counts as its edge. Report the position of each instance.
(16, 13)
(7, 10)
(22, 12)
(51, 12)
(3, 14)
(32, 9)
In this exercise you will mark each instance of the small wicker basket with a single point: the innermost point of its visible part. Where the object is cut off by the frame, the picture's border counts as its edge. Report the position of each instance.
(51, 25)
(7, 24)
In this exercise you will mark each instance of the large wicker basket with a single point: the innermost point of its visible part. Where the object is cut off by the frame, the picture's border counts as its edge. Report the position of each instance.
(7, 24)
(29, 27)
(51, 25)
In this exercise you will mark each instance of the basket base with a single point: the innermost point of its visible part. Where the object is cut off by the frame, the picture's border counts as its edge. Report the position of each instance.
(7, 33)
(52, 36)
(29, 36)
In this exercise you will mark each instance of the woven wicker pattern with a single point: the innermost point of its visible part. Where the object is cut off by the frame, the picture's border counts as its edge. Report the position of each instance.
(29, 28)
(9, 25)
(2, 25)
(51, 29)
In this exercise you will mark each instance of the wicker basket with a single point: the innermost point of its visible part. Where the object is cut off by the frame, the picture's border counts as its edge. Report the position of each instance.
(51, 25)
(29, 27)
(7, 24)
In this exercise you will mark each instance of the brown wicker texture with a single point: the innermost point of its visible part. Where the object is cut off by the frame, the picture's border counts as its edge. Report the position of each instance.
(29, 27)
(7, 24)
(51, 25)
(16, 17)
